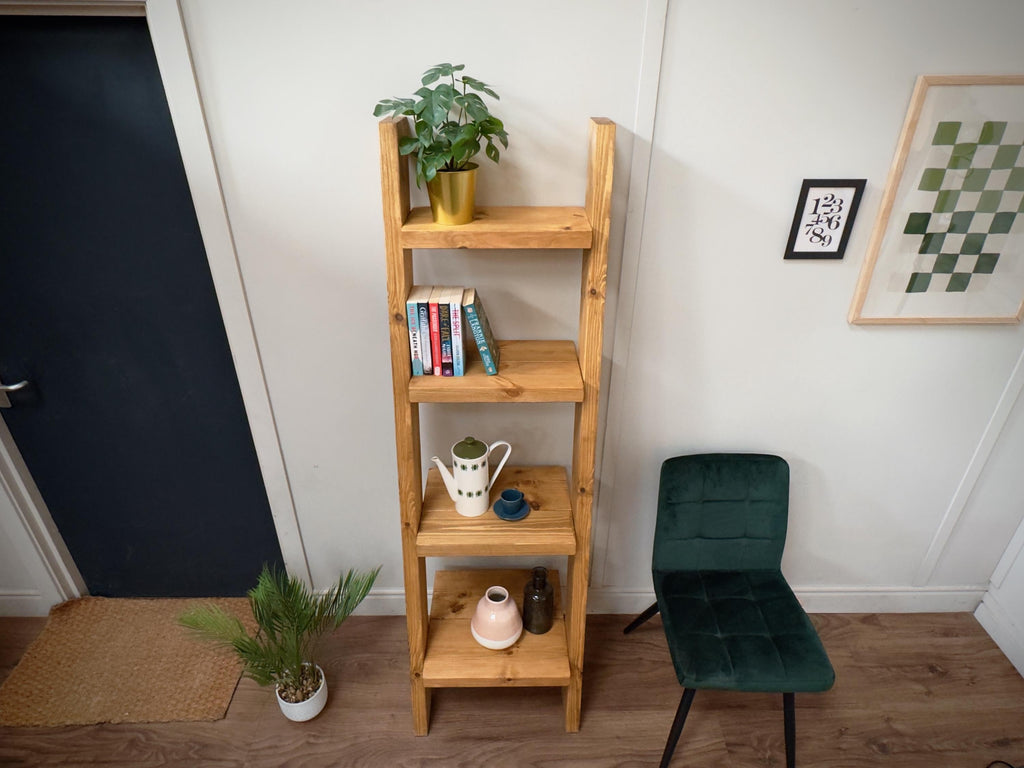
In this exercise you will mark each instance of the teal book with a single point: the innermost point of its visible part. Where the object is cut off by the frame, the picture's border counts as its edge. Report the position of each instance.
(480, 329)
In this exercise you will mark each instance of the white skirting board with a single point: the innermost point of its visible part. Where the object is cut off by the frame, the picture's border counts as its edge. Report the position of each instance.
(824, 599)
(23, 602)
(1003, 628)
(391, 602)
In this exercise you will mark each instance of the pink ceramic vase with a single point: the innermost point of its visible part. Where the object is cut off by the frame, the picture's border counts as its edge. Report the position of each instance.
(496, 623)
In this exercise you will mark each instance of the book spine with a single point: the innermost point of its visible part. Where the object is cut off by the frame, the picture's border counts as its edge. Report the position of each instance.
(435, 338)
(415, 341)
(458, 348)
(481, 340)
(444, 310)
(423, 318)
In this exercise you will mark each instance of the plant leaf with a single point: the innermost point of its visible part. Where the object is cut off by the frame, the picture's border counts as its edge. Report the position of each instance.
(407, 145)
(424, 133)
(291, 619)
(477, 85)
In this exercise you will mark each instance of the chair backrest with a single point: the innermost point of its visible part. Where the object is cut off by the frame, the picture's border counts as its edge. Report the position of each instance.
(722, 512)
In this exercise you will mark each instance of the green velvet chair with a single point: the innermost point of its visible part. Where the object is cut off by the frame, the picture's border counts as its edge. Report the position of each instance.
(731, 620)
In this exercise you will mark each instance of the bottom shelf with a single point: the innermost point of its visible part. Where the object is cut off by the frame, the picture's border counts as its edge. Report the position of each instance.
(455, 660)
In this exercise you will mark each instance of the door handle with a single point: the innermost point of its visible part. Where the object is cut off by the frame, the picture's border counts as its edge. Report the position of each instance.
(5, 388)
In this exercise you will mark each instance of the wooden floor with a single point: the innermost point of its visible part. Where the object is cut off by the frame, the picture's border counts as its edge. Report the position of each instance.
(919, 690)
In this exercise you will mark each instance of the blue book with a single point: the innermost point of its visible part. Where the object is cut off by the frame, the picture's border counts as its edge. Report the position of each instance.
(476, 321)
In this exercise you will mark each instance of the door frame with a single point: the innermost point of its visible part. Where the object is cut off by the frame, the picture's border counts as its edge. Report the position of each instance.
(174, 60)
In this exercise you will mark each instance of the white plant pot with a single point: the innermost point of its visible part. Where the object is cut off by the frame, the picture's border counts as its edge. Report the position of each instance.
(302, 711)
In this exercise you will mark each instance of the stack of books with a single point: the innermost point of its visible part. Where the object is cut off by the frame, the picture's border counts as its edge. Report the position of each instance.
(444, 320)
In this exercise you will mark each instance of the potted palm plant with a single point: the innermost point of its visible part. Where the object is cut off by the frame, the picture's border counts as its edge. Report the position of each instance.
(451, 124)
(291, 621)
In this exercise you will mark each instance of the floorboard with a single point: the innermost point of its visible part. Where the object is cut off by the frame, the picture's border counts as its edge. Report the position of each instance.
(914, 690)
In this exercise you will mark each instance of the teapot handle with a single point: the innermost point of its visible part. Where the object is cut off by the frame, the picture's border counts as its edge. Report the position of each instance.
(501, 464)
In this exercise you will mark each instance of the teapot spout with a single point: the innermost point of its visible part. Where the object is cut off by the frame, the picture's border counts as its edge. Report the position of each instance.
(446, 476)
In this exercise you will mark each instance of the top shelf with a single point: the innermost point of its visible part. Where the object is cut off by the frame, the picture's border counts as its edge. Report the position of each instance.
(511, 227)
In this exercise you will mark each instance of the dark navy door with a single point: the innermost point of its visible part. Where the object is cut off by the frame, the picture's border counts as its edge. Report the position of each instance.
(132, 426)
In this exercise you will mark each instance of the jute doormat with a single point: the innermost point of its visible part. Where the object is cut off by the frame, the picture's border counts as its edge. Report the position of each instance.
(102, 660)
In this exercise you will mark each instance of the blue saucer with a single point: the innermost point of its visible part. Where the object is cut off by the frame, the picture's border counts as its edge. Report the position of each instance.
(511, 512)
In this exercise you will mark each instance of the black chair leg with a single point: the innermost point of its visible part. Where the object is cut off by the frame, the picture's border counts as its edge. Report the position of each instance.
(648, 613)
(790, 715)
(677, 725)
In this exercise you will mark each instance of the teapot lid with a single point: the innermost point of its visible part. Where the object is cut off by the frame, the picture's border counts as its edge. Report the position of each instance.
(470, 448)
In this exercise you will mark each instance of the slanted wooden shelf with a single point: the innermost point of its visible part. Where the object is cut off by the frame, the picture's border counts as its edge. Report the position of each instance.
(530, 372)
(442, 652)
(509, 227)
(547, 530)
(455, 660)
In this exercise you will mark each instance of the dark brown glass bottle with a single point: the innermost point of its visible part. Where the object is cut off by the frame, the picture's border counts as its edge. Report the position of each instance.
(538, 603)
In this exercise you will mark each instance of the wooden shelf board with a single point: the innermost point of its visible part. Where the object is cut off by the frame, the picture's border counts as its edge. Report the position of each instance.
(528, 372)
(547, 530)
(506, 227)
(455, 660)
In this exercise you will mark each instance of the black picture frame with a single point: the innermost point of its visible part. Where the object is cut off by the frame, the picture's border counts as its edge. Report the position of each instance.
(824, 218)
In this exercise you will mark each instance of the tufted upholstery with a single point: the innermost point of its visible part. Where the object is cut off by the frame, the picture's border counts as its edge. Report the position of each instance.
(731, 620)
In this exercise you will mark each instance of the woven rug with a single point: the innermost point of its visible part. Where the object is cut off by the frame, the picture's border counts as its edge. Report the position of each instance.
(102, 660)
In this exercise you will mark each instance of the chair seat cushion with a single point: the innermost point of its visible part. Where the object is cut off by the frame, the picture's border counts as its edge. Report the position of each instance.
(740, 631)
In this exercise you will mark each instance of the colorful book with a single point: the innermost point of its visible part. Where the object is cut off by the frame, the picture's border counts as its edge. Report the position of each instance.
(458, 345)
(444, 310)
(480, 329)
(435, 329)
(412, 314)
(423, 313)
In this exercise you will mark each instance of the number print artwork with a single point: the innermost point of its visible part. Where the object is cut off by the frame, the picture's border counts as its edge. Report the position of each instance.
(824, 216)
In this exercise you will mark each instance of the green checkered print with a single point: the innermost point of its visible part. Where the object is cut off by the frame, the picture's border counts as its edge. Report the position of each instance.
(977, 174)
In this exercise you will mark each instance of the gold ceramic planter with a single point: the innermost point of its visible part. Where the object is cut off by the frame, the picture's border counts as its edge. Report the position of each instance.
(452, 195)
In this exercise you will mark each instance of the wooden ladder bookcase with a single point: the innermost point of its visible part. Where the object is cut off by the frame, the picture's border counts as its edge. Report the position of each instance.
(442, 652)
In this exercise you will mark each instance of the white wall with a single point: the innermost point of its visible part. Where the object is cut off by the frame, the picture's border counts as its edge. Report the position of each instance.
(729, 347)
(734, 349)
(289, 91)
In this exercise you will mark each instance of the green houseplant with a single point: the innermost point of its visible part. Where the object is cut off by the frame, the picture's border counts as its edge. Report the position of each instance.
(291, 620)
(451, 124)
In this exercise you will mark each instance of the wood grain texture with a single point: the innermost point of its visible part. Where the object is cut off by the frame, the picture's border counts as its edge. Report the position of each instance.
(547, 530)
(455, 659)
(600, 167)
(912, 691)
(502, 227)
(394, 175)
(529, 372)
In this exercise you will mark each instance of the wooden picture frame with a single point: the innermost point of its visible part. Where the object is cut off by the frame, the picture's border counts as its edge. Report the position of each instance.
(825, 212)
(948, 243)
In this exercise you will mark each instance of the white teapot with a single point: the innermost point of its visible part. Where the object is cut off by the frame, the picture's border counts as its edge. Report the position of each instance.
(469, 483)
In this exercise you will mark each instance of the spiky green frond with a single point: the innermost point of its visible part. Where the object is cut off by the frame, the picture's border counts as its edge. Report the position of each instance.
(291, 620)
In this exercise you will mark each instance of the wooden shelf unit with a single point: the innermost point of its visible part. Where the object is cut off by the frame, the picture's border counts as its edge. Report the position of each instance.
(442, 652)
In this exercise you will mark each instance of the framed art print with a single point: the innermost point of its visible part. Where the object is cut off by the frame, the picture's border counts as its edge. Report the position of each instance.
(948, 244)
(824, 218)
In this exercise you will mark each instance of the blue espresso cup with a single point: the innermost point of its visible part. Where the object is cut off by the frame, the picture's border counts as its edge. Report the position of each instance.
(511, 504)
